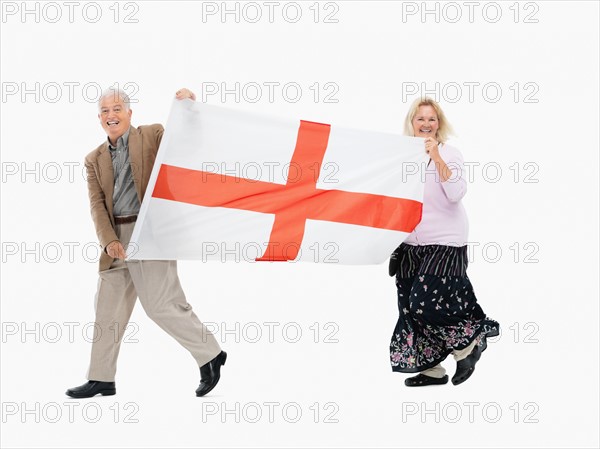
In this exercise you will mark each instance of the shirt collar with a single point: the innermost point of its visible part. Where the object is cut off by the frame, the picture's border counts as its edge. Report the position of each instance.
(122, 142)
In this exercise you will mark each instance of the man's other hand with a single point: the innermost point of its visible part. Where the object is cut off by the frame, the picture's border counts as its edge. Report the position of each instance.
(115, 250)
(184, 93)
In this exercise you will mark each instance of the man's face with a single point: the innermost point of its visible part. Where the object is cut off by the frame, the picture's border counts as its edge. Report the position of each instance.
(114, 117)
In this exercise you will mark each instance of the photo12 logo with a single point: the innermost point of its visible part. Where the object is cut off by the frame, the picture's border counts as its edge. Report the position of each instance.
(269, 91)
(472, 91)
(470, 12)
(61, 91)
(273, 332)
(470, 412)
(270, 412)
(70, 12)
(70, 412)
(68, 331)
(270, 12)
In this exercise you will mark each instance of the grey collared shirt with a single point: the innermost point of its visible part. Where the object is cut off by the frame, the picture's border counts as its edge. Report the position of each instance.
(125, 199)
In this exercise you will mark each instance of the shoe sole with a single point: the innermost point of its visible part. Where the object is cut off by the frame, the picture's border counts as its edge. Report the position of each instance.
(425, 384)
(441, 381)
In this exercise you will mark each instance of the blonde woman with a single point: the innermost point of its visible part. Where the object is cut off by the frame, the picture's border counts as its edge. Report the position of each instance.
(439, 313)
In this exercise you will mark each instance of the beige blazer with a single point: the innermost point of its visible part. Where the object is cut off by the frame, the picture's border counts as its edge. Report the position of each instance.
(143, 146)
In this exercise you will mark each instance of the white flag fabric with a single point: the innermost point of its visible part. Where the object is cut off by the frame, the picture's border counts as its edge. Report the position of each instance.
(234, 185)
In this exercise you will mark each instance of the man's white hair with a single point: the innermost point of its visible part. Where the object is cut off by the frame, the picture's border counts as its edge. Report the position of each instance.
(116, 94)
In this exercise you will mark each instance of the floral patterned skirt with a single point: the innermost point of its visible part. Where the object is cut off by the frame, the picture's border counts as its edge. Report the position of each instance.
(438, 309)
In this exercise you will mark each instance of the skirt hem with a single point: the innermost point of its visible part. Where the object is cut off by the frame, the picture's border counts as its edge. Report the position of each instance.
(493, 332)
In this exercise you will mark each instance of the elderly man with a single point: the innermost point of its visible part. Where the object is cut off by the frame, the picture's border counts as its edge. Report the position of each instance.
(117, 174)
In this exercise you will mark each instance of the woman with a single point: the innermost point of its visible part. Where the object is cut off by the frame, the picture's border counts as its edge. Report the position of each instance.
(439, 313)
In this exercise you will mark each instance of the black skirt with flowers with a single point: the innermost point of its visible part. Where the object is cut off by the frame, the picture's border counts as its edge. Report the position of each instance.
(438, 308)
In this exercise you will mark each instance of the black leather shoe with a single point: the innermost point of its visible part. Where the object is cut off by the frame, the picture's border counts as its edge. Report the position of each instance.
(91, 389)
(421, 380)
(466, 366)
(210, 373)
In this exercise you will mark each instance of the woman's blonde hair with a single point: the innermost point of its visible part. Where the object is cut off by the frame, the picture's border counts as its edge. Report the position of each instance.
(444, 128)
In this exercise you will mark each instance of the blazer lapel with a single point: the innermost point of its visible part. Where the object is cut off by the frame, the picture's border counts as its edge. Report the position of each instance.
(135, 159)
(107, 177)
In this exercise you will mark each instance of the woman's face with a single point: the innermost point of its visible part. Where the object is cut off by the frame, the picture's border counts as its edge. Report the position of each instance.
(425, 123)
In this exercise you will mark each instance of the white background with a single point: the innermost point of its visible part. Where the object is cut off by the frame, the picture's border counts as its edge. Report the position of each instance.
(541, 375)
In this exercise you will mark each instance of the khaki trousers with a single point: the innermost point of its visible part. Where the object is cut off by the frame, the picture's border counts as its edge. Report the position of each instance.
(439, 371)
(157, 285)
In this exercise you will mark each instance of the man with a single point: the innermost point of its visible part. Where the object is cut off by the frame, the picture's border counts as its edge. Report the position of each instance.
(117, 174)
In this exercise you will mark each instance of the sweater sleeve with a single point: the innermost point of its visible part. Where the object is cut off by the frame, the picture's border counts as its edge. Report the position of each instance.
(455, 187)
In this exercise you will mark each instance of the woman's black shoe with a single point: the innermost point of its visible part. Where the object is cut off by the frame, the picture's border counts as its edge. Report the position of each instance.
(421, 380)
(466, 366)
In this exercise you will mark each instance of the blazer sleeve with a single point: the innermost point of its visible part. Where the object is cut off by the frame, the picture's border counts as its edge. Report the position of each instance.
(159, 130)
(100, 216)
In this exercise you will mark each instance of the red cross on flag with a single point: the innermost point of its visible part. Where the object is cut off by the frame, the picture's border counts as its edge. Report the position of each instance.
(234, 185)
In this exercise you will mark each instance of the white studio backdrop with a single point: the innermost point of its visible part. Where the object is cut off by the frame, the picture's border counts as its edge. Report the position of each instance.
(308, 344)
